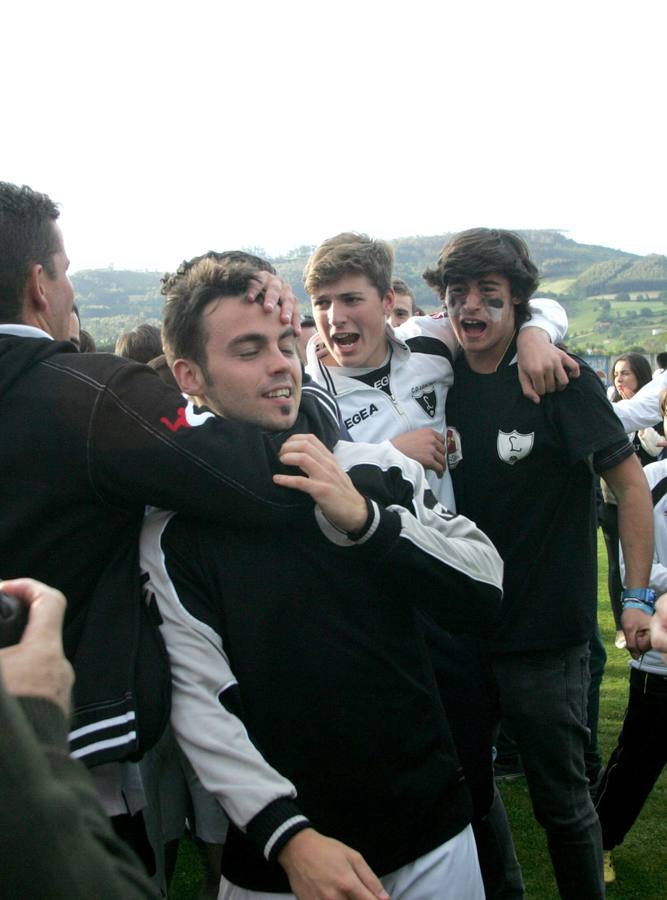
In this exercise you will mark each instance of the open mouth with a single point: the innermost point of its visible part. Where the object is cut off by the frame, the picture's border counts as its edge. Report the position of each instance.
(473, 326)
(345, 339)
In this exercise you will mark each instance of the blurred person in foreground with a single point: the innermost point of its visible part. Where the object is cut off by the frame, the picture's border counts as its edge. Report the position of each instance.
(56, 839)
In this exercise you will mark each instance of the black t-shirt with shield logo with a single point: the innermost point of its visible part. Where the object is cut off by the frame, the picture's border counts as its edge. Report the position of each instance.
(525, 474)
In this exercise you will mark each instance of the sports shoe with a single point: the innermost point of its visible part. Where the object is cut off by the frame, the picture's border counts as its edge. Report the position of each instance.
(609, 868)
(620, 642)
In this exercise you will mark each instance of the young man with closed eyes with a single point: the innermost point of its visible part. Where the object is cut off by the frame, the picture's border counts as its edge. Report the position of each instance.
(312, 653)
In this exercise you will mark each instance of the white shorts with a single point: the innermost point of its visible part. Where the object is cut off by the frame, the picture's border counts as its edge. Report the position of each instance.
(450, 872)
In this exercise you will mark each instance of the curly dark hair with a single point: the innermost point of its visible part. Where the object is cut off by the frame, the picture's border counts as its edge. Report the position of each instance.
(226, 257)
(482, 251)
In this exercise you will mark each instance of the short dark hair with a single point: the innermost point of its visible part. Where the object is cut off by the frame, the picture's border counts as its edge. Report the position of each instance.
(189, 291)
(661, 360)
(481, 251)
(400, 287)
(27, 238)
(640, 367)
(142, 343)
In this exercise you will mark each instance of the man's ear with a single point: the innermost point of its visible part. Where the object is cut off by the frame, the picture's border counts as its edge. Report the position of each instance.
(36, 297)
(189, 377)
(388, 302)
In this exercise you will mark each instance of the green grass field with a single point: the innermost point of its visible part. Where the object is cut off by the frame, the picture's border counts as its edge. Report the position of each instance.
(641, 862)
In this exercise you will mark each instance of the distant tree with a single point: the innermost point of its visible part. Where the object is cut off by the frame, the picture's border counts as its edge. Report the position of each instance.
(623, 297)
(298, 252)
(257, 251)
(646, 311)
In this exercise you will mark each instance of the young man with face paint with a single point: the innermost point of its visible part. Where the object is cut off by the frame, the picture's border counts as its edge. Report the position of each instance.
(391, 385)
(525, 474)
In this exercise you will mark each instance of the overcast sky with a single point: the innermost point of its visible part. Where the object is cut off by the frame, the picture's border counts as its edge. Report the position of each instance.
(166, 129)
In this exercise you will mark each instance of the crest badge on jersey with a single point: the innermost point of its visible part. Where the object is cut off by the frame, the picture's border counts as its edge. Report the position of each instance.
(425, 397)
(453, 446)
(513, 446)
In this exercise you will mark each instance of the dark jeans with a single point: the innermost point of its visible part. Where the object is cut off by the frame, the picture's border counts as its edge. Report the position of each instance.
(507, 750)
(598, 659)
(462, 677)
(639, 758)
(543, 698)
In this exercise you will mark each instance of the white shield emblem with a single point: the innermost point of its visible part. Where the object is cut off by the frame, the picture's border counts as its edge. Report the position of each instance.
(453, 445)
(513, 446)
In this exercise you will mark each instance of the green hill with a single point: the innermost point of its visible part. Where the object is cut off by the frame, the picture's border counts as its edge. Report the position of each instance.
(584, 277)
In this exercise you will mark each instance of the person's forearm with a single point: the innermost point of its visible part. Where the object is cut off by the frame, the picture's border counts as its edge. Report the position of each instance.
(643, 410)
(635, 528)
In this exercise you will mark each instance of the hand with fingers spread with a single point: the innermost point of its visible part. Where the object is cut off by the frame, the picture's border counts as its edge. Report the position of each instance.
(320, 868)
(276, 290)
(425, 445)
(36, 666)
(543, 368)
(329, 486)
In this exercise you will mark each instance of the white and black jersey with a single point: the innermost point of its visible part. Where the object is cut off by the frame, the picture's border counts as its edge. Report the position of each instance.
(306, 646)
(524, 473)
(409, 391)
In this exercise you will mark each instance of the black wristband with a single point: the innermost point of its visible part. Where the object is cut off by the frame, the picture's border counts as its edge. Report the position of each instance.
(370, 516)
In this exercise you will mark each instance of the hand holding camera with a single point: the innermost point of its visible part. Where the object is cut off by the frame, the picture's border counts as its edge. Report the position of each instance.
(32, 661)
(13, 619)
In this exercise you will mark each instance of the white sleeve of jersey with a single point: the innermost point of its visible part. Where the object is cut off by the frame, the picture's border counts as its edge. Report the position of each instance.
(548, 315)
(214, 740)
(643, 409)
(437, 538)
(437, 326)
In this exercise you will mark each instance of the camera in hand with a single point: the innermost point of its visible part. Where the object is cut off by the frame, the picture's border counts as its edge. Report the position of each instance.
(13, 619)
